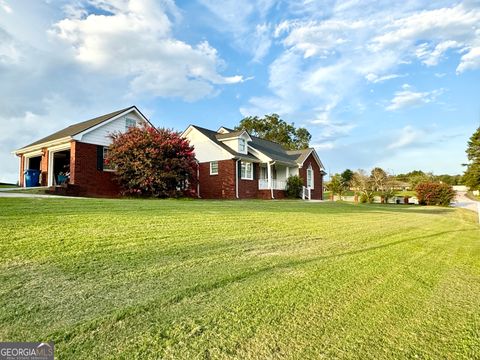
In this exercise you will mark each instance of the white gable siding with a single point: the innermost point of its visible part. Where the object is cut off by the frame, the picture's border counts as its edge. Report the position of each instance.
(100, 136)
(205, 149)
(234, 144)
(259, 155)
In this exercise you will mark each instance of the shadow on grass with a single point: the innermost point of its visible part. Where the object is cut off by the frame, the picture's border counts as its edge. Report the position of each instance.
(120, 314)
(295, 263)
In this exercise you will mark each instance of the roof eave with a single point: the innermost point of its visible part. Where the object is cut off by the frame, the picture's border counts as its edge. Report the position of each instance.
(42, 145)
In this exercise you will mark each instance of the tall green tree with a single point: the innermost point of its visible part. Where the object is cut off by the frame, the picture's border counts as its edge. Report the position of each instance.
(337, 185)
(347, 176)
(471, 178)
(273, 128)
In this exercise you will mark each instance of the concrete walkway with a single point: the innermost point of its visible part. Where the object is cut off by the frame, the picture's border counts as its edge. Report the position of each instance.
(9, 193)
(462, 201)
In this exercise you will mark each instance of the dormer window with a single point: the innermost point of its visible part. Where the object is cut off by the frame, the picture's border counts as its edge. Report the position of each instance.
(242, 145)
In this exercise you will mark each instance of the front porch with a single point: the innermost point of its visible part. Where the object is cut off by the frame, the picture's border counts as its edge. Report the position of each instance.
(273, 176)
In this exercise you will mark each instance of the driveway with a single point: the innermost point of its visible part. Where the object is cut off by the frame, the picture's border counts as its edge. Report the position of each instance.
(462, 201)
(8, 193)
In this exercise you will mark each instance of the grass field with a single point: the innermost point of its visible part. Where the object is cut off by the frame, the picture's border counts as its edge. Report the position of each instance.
(133, 279)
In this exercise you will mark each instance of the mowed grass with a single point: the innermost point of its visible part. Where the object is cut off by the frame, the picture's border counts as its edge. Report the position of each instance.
(146, 279)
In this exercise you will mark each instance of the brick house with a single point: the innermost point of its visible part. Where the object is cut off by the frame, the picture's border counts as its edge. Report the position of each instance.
(78, 152)
(236, 165)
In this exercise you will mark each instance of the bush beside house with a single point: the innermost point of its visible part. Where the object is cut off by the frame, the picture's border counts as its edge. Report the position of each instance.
(153, 162)
(294, 187)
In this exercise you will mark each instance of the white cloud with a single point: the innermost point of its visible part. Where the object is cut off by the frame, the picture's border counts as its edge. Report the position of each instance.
(263, 43)
(470, 61)
(328, 53)
(324, 146)
(433, 58)
(4, 5)
(136, 41)
(373, 78)
(407, 98)
(246, 22)
(407, 136)
(93, 60)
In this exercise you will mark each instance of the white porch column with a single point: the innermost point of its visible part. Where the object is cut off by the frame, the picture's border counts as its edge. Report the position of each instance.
(269, 175)
(287, 172)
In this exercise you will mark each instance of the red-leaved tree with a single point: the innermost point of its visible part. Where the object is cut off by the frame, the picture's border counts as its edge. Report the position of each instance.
(153, 162)
(431, 193)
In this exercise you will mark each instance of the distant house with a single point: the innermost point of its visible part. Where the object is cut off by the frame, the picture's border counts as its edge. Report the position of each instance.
(76, 154)
(236, 165)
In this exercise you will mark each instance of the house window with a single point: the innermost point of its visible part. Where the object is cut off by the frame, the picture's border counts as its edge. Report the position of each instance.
(213, 167)
(106, 165)
(130, 123)
(242, 145)
(263, 173)
(246, 170)
(310, 177)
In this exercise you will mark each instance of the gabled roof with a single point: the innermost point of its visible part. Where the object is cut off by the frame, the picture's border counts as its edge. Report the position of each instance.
(303, 154)
(270, 149)
(212, 135)
(80, 127)
(231, 134)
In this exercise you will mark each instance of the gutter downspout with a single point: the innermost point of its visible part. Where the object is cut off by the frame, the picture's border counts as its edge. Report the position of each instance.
(271, 182)
(198, 180)
(236, 178)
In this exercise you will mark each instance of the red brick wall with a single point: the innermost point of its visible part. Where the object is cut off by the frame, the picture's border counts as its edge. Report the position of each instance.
(317, 191)
(267, 194)
(21, 175)
(44, 168)
(84, 173)
(248, 189)
(221, 186)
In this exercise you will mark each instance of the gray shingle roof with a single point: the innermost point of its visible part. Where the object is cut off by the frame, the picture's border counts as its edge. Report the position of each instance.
(212, 135)
(271, 149)
(75, 129)
(229, 134)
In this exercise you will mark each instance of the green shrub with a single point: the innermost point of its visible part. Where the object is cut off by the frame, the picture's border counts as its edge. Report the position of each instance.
(431, 193)
(294, 187)
(367, 198)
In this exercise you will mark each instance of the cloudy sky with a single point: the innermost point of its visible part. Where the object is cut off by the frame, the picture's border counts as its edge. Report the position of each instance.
(377, 83)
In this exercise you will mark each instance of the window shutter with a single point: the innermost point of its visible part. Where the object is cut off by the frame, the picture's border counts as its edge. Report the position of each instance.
(239, 169)
(99, 158)
(253, 170)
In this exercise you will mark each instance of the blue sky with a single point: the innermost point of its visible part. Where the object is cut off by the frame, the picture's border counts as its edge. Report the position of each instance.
(377, 83)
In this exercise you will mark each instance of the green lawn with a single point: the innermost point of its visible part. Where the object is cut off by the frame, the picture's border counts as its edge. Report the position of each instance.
(146, 279)
(7, 185)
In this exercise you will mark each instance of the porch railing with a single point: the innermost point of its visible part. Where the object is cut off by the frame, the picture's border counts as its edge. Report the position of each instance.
(306, 193)
(276, 184)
